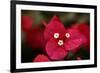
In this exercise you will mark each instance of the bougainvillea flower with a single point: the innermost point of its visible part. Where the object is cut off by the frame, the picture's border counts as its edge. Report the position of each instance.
(26, 22)
(79, 58)
(41, 58)
(35, 37)
(85, 30)
(61, 40)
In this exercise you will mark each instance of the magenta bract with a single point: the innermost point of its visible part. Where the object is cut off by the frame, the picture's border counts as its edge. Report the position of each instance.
(61, 40)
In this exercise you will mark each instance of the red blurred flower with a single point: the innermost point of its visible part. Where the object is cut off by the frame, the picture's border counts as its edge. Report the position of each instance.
(60, 40)
(26, 22)
(85, 30)
(35, 37)
(41, 58)
(79, 58)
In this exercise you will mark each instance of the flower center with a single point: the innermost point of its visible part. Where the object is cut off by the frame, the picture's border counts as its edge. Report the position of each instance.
(60, 42)
(67, 35)
(56, 35)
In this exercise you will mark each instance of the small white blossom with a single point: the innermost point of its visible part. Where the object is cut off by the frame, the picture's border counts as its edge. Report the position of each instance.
(60, 42)
(56, 35)
(67, 35)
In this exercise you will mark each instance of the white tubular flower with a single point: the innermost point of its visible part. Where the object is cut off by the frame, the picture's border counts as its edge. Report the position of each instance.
(56, 35)
(60, 42)
(67, 35)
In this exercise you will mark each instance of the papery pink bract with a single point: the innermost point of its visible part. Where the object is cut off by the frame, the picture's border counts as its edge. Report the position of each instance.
(54, 26)
(75, 41)
(41, 58)
(26, 23)
(56, 51)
